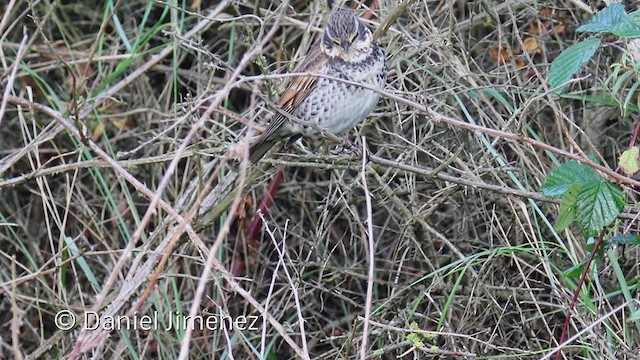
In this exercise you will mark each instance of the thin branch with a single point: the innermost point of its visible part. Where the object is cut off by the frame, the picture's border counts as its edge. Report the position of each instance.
(372, 256)
(12, 77)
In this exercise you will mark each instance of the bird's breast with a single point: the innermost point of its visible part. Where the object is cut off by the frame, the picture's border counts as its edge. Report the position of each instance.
(337, 106)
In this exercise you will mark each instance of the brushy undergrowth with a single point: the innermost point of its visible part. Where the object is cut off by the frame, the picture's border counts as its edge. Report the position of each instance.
(118, 121)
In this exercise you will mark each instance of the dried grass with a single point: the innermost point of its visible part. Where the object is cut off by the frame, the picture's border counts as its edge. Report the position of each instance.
(116, 195)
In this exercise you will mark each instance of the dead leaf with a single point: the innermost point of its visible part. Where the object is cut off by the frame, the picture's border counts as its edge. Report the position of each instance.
(195, 5)
(98, 131)
(122, 123)
(500, 54)
(629, 163)
(531, 44)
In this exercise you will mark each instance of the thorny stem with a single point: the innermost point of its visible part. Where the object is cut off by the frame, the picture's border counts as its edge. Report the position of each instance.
(587, 266)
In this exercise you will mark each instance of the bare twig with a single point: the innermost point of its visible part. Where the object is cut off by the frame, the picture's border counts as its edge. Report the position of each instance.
(294, 288)
(12, 77)
(6, 16)
(372, 255)
(17, 315)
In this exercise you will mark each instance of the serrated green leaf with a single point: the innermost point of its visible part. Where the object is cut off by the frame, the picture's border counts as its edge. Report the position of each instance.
(634, 15)
(612, 19)
(569, 62)
(627, 28)
(626, 239)
(598, 205)
(629, 161)
(567, 212)
(605, 20)
(567, 174)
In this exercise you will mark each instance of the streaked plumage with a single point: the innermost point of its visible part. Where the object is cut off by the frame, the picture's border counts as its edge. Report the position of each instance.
(346, 50)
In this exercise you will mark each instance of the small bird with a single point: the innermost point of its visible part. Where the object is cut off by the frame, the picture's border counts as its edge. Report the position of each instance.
(347, 51)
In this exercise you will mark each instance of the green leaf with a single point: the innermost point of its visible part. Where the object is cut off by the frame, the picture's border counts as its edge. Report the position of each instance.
(568, 208)
(626, 239)
(598, 205)
(575, 271)
(498, 95)
(634, 16)
(629, 161)
(569, 62)
(621, 81)
(567, 174)
(627, 100)
(415, 340)
(605, 20)
(74, 251)
(634, 316)
(591, 241)
(612, 19)
(627, 28)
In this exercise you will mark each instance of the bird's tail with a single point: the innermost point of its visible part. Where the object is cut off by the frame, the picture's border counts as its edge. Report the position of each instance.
(259, 148)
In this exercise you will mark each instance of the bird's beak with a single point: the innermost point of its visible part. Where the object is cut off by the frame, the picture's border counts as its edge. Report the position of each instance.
(345, 46)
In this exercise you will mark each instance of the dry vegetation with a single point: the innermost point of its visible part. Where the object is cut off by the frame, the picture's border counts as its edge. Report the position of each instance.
(115, 195)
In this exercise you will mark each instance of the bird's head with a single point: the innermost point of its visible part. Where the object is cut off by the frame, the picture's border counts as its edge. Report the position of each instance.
(346, 38)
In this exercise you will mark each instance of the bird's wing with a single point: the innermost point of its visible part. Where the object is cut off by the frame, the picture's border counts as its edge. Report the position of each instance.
(298, 90)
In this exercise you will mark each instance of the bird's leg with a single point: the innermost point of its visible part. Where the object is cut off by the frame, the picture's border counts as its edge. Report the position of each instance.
(346, 145)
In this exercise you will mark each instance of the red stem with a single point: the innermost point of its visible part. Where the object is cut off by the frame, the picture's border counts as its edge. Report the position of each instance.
(265, 203)
(583, 276)
(634, 134)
